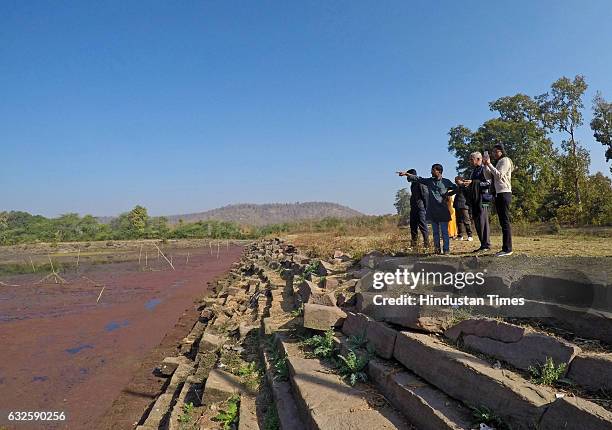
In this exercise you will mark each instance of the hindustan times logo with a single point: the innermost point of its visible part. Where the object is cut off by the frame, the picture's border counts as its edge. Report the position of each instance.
(404, 277)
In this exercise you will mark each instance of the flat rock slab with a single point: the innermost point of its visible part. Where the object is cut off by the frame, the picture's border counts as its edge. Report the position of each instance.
(531, 350)
(471, 380)
(220, 386)
(326, 402)
(319, 317)
(424, 406)
(575, 413)
(592, 371)
(486, 327)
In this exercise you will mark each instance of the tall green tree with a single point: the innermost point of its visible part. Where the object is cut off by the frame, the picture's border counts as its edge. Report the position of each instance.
(138, 218)
(601, 124)
(517, 127)
(561, 110)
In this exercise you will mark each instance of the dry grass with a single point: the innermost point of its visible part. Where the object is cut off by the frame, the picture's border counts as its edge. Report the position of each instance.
(394, 240)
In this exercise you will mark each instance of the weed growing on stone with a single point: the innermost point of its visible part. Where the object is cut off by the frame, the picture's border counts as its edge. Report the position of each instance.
(229, 416)
(357, 341)
(250, 375)
(311, 268)
(322, 346)
(185, 417)
(547, 373)
(279, 363)
(352, 367)
(298, 312)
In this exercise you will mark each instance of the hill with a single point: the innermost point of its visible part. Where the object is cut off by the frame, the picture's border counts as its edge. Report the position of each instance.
(269, 213)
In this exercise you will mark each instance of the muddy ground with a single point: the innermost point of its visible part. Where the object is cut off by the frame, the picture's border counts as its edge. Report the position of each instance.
(65, 350)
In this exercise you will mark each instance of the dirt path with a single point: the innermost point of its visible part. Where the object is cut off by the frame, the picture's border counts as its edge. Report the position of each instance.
(62, 351)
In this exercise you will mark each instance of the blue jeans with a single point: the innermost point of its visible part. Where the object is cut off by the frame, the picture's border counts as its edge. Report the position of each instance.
(436, 226)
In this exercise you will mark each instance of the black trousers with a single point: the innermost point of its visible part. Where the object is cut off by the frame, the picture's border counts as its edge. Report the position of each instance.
(502, 204)
(464, 221)
(481, 221)
(418, 223)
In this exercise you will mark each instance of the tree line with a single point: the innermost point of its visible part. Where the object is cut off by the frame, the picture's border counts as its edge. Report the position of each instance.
(18, 227)
(551, 180)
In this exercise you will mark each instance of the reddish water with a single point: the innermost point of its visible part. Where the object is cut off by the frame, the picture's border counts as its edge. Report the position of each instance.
(62, 351)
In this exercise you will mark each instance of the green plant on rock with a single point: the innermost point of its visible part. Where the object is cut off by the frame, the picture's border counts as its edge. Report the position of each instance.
(357, 341)
(280, 365)
(185, 417)
(229, 416)
(484, 415)
(547, 373)
(311, 268)
(250, 375)
(323, 346)
(352, 367)
(298, 312)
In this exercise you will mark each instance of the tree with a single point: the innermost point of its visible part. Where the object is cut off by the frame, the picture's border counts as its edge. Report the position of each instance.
(138, 218)
(561, 110)
(402, 205)
(517, 127)
(601, 124)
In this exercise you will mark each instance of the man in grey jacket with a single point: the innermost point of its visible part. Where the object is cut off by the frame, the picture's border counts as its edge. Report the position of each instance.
(501, 174)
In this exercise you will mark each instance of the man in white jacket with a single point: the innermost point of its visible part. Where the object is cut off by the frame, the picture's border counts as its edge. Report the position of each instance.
(501, 174)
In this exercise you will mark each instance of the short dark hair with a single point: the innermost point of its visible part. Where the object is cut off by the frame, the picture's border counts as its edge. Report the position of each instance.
(412, 171)
(438, 167)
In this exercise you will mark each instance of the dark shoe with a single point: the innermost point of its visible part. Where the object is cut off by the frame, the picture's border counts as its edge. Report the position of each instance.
(481, 250)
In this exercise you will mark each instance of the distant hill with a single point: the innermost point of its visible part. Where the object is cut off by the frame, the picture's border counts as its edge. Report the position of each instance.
(270, 213)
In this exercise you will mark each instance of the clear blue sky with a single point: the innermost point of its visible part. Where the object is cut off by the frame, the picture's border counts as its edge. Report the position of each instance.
(186, 106)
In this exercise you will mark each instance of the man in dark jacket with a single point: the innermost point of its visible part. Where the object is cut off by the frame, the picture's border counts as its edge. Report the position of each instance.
(481, 202)
(418, 206)
(437, 212)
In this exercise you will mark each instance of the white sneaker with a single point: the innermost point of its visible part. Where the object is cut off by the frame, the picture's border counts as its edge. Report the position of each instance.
(503, 254)
(470, 238)
(459, 238)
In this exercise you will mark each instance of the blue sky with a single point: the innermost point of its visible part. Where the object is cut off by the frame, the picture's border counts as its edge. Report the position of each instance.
(186, 106)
